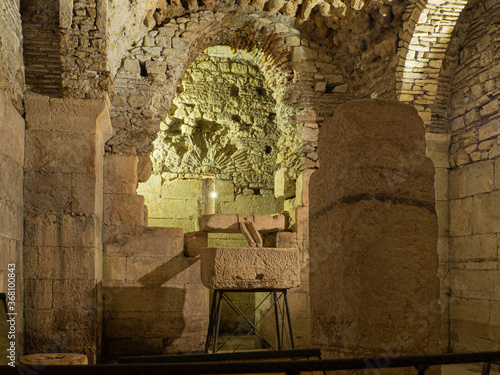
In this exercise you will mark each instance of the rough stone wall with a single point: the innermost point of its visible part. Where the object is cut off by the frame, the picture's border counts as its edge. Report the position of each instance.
(63, 224)
(65, 48)
(83, 48)
(374, 264)
(474, 102)
(11, 58)
(424, 40)
(11, 208)
(222, 122)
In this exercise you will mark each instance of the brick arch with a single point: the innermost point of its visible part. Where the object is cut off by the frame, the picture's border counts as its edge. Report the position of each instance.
(426, 36)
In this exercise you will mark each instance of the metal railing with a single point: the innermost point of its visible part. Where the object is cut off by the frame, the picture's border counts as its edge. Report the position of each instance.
(420, 363)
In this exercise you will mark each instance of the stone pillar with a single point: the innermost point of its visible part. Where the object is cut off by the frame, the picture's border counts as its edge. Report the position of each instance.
(373, 236)
(63, 190)
(11, 212)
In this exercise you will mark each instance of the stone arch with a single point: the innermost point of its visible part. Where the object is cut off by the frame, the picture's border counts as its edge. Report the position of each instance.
(287, 64)
(425, 39)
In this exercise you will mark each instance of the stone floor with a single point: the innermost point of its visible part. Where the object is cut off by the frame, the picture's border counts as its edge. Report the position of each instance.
(467, 369)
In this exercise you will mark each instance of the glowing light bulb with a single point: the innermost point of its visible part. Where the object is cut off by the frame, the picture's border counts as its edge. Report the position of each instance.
(213, 194)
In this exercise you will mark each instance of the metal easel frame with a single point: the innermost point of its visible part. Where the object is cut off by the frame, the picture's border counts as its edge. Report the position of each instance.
(221, 295)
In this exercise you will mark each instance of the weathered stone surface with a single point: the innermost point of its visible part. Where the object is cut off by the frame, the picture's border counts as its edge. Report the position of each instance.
(120, 174)
(194, 242)
(472, 179)
(387, 171)
(250, 268)
(284, 186)
(123, 209)
(486, 213)
(461, 212)
(224, 223)
(359, 234)
(54, 359)
(473, 248)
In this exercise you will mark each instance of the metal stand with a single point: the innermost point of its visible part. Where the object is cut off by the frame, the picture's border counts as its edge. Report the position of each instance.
(215, 315)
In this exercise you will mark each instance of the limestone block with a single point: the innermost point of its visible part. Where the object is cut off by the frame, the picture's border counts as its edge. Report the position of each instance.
(80, 116)
(477, 284)
(71, 263)
(42, 157)
(250, 268)
(84, 195)
(437, 146)
(182, 189)
(132, 66)
(194, 242)
(229, 223)
(497, 174)
(472, 179)
(149, 240)
(79, 230)
(11, 129)
(177, 209)
(42, 230)
(156, 67)
(251, 205)
(491, 129)
(38, 293)
(284, 186)
(120, 174)
(47, 192)
(441, 184)
(461, 217)
(68, 294)
(114, 268)
(11, 183)
(138, 101)
(486, 213)
(123, 209)
(302, 188)
(308, 134)
(224, 190)
(54, 359)
(494, 152)
(302, 53)
(472, 248)
(144, 168)
(143, 300)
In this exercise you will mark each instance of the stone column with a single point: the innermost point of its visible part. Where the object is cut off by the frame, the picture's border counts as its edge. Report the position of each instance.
(11, 212)
(63, 190)
(373, 236)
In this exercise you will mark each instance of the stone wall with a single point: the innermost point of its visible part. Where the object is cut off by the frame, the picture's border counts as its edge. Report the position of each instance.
(11, 58)
(63, 224)
(11, 165)
(374, 262)
(223, 121)
(11, 208)
(154, 302)
(474, 102)
(470, 105)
